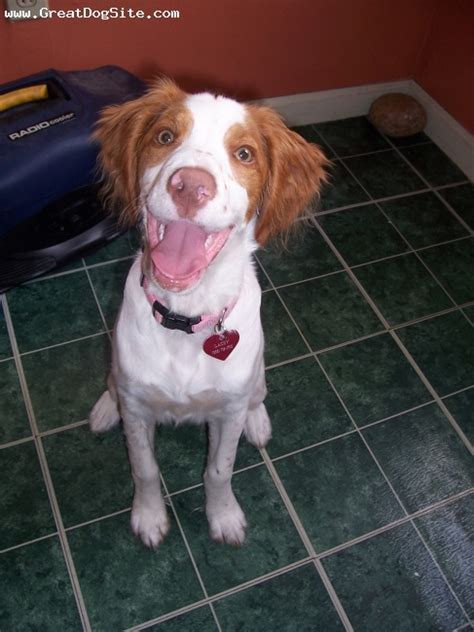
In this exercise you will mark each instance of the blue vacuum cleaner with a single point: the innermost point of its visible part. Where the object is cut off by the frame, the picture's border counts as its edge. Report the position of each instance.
(50, 211)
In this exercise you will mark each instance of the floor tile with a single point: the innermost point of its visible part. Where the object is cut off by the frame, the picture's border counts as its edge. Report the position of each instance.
(390, 582)
(433, 164)
(271, 541)
(306, 256)
(449, 532)
(5, 347)
(461, 199)
(341, 190)
(461, 406)
(362, 234)
(109, 282)
(36, 591)
(374, 379)
(294, 601)
(26, 513)
(15, 424)
(413, 139)
(384, 174)
(182, 453)
(309, 133)
(302, 406)
(200, 620)
(350, 136)
(423, 457)
(330, 310)
(65, 381)
(453, 266)
(54, 310)
(126, 245)
(402, 289)
(123, 582)
(282, 340)
(338, 491)
(423, 219)
(469, 312)
(79, 462)
(443, 349)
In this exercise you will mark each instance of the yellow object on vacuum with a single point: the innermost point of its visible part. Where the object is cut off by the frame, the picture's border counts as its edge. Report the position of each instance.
(23, 95)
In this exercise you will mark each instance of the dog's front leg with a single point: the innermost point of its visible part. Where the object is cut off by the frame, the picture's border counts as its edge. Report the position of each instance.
(226, 518)
(149, 518)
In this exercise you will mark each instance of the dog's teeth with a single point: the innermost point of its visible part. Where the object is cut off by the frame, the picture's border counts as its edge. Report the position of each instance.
(209, 241)
(161, 232)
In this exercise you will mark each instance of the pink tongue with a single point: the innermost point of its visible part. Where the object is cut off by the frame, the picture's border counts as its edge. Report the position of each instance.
(181, 253)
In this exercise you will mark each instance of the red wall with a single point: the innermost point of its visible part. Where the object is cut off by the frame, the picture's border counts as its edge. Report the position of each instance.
(446, 68)
(247, 48)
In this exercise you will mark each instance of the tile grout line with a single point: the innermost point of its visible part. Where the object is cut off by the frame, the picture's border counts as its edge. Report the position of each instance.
(12, 444)
(387, 198)
(307, 542)
(61, 344)
(257, 581)
(467, 317)
(393, 334)
(82, 268)
(107, 329)
(80, 604)
(441, 312)
(188, 549)
(65, 428)
(461, 390)
(362, 437)
(420, 513)
(28, 542)
(374, 151)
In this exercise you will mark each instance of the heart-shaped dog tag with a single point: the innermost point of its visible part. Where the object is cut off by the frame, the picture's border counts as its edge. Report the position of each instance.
(221, 345)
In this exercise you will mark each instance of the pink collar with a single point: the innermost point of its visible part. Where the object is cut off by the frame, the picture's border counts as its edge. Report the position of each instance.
(190, 325)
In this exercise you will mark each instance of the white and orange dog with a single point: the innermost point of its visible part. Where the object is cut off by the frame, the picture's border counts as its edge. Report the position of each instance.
(209, 180)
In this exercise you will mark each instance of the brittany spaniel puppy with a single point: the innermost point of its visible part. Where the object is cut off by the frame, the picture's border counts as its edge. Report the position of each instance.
(209, 180)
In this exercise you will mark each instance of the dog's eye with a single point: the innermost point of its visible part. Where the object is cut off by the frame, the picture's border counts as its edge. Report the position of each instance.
(244, 154)
(165, 137)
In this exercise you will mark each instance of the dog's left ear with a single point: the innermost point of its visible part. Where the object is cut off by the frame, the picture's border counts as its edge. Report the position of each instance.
(297, 170)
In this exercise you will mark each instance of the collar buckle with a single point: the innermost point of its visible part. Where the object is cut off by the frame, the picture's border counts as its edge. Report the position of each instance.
(171, 320)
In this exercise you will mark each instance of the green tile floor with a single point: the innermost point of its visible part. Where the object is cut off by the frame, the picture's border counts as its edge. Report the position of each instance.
(360, 510)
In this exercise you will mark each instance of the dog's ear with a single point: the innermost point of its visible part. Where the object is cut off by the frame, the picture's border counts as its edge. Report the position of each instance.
(297, 170)
(120, 131)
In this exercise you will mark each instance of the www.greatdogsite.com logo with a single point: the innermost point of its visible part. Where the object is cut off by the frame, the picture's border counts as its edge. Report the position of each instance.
(88, 13)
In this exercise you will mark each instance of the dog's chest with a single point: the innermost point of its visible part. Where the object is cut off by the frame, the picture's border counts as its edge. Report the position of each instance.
(171, 373)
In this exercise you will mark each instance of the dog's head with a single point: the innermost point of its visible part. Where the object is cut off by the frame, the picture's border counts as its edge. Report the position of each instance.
(198, 169)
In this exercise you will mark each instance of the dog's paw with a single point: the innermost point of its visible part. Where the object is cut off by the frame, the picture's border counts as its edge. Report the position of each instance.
(150, 524)
(105, 414)
(227, 525)
(258, 429)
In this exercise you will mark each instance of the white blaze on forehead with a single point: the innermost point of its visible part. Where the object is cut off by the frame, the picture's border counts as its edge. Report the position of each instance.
(213, 116)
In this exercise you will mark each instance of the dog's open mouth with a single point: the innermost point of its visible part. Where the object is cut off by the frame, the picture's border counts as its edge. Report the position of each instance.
(181, 251)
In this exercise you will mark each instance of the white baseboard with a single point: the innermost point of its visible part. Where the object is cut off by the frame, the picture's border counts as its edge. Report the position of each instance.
(330, 105)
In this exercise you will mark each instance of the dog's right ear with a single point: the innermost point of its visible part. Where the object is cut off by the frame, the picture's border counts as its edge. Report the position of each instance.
(120, 131)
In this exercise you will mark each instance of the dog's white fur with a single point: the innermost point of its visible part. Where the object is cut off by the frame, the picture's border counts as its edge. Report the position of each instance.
(165, 376)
